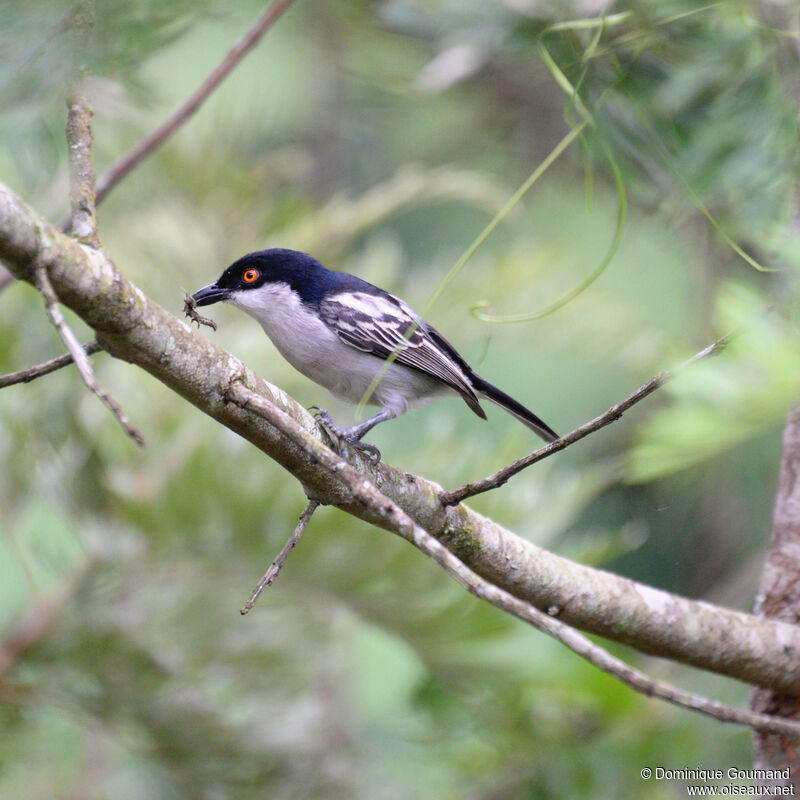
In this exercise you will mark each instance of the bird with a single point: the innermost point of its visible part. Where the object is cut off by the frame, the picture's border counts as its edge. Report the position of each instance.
(340, 331)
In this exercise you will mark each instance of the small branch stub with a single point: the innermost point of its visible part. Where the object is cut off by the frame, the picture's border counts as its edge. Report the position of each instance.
(83, 220)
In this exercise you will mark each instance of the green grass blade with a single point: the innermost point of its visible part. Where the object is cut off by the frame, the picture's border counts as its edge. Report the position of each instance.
(666, 158)
(473, 248)
(622, 212)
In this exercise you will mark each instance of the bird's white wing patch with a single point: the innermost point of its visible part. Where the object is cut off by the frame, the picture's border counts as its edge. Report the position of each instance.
(383, 324)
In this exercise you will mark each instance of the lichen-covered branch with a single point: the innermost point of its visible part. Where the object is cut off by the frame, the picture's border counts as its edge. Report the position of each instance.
(130, 326)
(83, 220)
(398, 521)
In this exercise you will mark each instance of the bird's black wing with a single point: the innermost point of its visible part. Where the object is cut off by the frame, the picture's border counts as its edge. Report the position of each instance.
(380, 324)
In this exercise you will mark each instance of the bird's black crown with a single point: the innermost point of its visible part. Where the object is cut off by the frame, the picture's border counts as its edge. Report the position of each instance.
(300, 271)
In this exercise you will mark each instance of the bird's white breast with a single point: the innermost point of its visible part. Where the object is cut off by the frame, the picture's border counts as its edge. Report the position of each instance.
(312, 348)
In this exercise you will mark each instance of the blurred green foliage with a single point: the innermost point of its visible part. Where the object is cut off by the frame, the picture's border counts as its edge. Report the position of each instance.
(382, 138)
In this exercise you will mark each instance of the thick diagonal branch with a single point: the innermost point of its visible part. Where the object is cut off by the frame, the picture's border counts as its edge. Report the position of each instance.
(364, 492)
(129, 325)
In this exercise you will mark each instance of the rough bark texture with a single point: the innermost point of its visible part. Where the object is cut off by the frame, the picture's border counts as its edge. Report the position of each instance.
(132, 327)
(779, 598)
(81, 169)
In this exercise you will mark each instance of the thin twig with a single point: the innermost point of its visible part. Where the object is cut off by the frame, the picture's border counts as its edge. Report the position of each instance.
(79, 355)
(275, 567)
(397, 520)
(126, 163)
(612, 415)
(30, 374)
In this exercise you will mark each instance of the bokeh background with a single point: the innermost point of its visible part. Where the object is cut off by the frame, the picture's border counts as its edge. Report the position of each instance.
(382, 137)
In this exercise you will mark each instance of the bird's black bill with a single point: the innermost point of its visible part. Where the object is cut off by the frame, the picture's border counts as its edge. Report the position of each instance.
(209, 294)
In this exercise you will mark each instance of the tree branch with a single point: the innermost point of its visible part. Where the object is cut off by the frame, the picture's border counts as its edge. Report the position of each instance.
(779, 598)
(122, 166)
(399, 522)
(130, 326)
(612, 415)
(30, 374)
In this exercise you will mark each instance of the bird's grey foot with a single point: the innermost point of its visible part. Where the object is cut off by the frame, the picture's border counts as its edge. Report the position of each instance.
(345, 436)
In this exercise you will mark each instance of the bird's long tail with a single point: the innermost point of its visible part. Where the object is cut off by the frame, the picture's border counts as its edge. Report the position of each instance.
(525, 416)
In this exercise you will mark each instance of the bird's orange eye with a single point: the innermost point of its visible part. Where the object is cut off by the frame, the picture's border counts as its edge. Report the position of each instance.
(250, 275)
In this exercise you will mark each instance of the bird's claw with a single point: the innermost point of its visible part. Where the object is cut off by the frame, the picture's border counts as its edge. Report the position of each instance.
(344, 436)
(368, 450)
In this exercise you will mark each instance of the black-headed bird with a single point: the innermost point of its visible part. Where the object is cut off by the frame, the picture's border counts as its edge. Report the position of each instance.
(339, 331)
